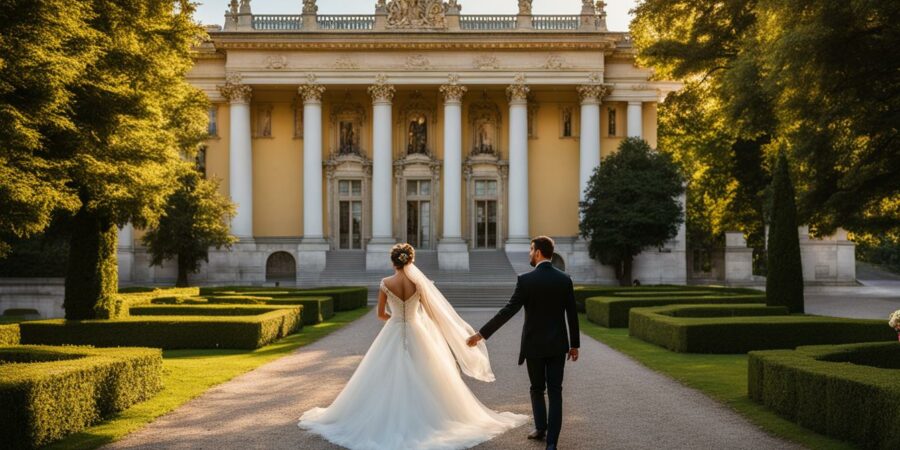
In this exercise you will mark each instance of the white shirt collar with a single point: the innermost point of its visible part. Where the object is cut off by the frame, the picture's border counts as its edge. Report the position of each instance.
(543, 261)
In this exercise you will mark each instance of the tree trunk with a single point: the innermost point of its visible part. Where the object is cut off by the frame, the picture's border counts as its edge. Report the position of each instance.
(182, 272)
(92, 274)
(625, 274)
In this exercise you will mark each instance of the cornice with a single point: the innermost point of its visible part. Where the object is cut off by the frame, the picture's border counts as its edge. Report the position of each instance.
(445, 41)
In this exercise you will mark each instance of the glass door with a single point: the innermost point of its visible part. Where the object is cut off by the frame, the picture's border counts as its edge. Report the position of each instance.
(486, 214)
(350, 214)
(418, 213)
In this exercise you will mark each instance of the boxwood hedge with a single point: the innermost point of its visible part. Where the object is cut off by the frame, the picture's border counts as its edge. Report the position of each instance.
(762, 329)
(585, 291)
(315, 309)
(612, 312)
(9, 334)
(345, 297)
(49, 392)
(170, 332)
(850, 392)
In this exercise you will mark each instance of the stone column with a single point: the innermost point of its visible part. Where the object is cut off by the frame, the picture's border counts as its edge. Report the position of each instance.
(125, 253)
(635, 120)
(453, 254)
(240, 158)
(313, 247)
(519, 238)
(589, 144)
(377, 250)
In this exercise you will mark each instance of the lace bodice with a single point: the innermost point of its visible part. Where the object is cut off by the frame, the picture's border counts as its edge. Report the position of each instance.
(402, 310)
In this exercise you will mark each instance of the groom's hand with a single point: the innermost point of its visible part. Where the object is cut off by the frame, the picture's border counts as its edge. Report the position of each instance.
(473, 339)
(573, 354)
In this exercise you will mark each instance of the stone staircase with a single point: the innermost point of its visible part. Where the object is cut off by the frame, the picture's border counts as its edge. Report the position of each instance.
(489, 282)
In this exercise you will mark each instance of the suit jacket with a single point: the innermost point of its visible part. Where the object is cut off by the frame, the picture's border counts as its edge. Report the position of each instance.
(548, 297)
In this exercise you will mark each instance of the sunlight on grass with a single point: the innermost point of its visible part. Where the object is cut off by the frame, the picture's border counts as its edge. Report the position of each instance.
(722, 377)
(189, 373)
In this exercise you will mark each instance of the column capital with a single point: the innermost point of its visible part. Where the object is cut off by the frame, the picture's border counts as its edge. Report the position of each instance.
(518, 91)
(592, 93)
(311, 92)
(635, 103)
(381, 91)
(235, 90)
(453, 91)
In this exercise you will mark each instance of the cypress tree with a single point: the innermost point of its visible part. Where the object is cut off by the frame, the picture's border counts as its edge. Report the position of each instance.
(784, 282)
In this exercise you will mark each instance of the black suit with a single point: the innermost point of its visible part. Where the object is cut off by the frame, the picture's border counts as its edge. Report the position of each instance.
(549, 300)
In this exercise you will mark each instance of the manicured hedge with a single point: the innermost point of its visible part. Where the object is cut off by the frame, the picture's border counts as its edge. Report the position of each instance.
(21, 312)
(49, 392)
(315, 309)
(818, 388)
(9, 334)
(760, 331)
(345, 297)
(170, 332)
(237, 299)
(585, 291)
(612, 312)
(118, 305)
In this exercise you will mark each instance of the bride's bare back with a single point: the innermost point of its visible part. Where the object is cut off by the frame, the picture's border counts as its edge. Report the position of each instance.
(400, 285)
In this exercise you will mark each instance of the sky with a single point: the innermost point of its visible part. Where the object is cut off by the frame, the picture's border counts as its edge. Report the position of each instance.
(212, 12)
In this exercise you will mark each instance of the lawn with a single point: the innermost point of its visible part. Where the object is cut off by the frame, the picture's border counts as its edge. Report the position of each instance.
(722, 377)
(188, 373)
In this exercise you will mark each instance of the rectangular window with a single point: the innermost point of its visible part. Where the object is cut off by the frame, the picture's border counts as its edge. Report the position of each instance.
(213, 127)
(611, 121)
(485, 188)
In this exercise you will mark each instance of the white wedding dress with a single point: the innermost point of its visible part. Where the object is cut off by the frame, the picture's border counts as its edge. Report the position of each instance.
(407, 392)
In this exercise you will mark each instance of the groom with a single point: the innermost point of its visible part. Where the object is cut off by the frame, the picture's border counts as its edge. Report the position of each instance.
(549, 301)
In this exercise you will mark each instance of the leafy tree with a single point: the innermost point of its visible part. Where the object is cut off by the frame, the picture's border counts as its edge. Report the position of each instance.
(196, 218)
(784, 282)
(134, 116)
(45, 46)
(630, 204)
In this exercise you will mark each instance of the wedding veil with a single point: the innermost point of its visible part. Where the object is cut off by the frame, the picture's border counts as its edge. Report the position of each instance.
(473, 361)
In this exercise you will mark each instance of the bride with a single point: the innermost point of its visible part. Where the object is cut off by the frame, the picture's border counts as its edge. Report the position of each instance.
(407, 392)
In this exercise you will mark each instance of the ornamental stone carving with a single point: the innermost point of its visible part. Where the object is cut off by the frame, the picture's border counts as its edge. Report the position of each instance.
(276, 62)
(416, 14)
(486, 62)
(524, 7)
(309, 7)
(381, 91)
(418, 61)
(518, 91)
(345, 62)
(311, 91)
(592, 92)
(555, 62)
(234, 90)
(595, 78)
(453, 91)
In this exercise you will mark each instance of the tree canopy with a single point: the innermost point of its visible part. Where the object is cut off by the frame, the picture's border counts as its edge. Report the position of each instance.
(630, 203)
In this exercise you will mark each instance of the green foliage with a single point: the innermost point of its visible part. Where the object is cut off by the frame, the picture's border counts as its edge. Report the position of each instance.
(345, 297)
(42, 255)
(196, 218)
(630, 203)
(613, 312)
(237, 299)
(21, 312)
(817, 78)
(315, 309)
(784, 282)
(170, 332)
(49, 392)
(92, 274)
(882, 249)
(731, 333)
(584, 291)
(833, 390)
(9, 334)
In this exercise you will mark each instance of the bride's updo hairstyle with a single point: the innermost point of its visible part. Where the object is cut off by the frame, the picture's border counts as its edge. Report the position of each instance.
(402, 254)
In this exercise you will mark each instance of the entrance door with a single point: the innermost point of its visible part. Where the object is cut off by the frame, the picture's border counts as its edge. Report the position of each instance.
(418, 213)
(350, 214)
(485, 224)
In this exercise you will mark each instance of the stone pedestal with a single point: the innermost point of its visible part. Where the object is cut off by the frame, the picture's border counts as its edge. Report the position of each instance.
(311, 255)
(378, 255)
(453, 255)
(738, 259)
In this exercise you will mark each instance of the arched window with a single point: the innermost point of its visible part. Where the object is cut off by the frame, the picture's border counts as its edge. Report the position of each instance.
(281, 266)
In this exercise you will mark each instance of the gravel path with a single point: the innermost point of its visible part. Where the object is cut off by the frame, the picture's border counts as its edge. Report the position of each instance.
(610, 401)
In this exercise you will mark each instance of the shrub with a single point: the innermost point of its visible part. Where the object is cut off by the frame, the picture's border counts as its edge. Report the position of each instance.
(583, 292)
(9, 334)
(345, 297)
(764, 329)
(237, 299)
(613, 312)
(170, 332)
(784, 276)
(21, 312)
(49, 392)
(315, 309)
(118, 305)
(821, 388)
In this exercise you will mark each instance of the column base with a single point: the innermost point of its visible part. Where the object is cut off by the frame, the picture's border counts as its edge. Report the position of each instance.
(378, 254)
(311, 254)
(517, 245)
(453, 255)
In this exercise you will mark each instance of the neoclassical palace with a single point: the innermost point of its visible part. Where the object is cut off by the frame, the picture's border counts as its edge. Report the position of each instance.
(456, 133)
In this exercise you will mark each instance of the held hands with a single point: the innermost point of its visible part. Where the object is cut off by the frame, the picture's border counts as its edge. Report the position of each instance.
(473, 339)
(573, 354)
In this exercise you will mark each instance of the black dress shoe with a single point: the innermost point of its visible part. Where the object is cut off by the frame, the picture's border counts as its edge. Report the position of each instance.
(551, 446)
(537, 434)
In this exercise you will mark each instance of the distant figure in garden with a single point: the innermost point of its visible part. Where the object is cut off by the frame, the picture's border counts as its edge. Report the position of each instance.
(407, 391)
